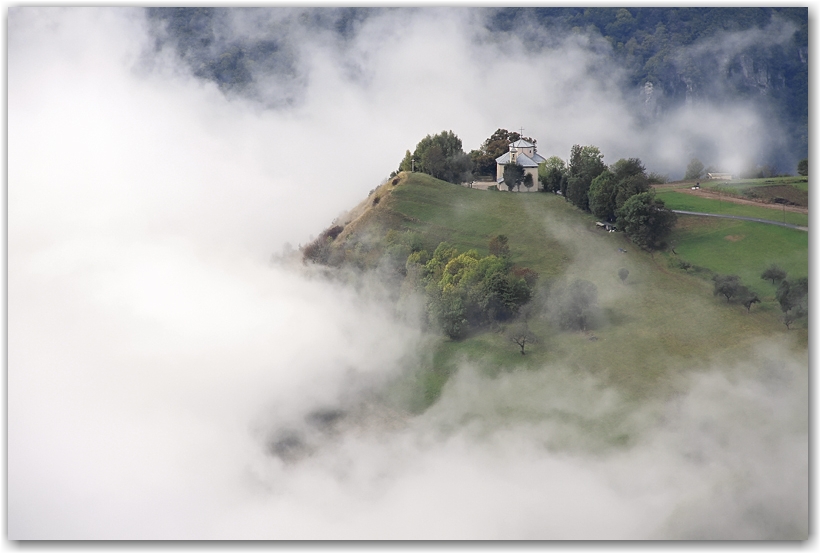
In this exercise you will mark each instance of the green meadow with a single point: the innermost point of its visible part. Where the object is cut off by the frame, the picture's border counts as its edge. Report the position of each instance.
(744, 248)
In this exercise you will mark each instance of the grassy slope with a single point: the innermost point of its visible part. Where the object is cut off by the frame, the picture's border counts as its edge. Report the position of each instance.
(657, 323)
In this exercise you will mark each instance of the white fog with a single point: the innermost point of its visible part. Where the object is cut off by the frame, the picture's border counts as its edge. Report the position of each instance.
(155, 353)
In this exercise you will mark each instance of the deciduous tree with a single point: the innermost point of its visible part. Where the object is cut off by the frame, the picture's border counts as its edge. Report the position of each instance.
(646, 220)
(528, 181)
(499, 246)
(773, 273)
(803, 167)
(552, 174)
(495, 146)
(694, 170)
(585, 163)
(727, 286)
(747, 298)
(441, 156)
(602, 193)
(520, 334)
(793, 295)
(575, 306)
(513, 175)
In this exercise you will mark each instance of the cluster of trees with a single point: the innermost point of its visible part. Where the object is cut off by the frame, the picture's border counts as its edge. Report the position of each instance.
(514, 177)
(466, 291)
(792, 295)
(552, 174)
(619, 193)
(730, 287)
(571, 306)
(441, 156)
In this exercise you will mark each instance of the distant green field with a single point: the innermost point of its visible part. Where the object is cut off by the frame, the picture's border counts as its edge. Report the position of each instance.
(792, 189)
(741, 247)
(660, 322)
(688, 202)
(800, 182)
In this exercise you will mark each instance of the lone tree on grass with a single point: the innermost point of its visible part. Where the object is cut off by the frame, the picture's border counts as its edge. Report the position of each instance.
(521, 335)
(622, 274)
(727, 286)
(773, 273)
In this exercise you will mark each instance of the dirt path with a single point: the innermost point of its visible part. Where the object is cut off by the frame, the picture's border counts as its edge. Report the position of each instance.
(713, 195)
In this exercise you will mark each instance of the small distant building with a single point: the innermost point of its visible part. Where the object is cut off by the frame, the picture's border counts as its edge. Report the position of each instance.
(719, 176)
(522, 153)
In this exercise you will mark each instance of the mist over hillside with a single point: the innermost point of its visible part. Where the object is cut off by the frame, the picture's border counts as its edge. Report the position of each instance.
(167, 381)
(673, 81)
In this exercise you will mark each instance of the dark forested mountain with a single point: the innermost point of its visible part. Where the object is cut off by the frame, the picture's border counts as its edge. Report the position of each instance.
(669, 56)
(677, 54)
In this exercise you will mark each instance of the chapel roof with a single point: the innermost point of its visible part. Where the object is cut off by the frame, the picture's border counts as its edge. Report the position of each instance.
(520, 159)
(521, 143)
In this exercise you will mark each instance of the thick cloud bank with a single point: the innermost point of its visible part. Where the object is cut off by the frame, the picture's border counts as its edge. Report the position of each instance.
(164, 381)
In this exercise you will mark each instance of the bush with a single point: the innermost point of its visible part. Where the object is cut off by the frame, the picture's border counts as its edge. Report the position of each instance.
(575, 306)
(332, 232)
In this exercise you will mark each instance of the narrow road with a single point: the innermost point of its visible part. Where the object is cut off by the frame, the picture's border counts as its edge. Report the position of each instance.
(755, 219)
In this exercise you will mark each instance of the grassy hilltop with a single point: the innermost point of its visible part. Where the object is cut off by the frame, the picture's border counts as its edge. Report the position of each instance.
(659, 322)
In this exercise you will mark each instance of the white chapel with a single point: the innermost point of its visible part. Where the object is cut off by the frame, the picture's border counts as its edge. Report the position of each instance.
(522, 153)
